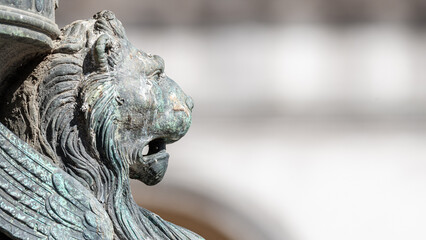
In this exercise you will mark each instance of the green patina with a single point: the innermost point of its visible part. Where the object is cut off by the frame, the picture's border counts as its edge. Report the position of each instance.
(74, 123)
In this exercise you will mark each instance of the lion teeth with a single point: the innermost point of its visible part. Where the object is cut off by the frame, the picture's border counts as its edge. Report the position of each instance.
(145, 150)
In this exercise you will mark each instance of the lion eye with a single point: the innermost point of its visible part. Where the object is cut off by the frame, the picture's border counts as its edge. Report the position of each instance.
(156, 74)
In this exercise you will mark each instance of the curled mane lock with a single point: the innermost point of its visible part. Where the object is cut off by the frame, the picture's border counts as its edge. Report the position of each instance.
(100, 52)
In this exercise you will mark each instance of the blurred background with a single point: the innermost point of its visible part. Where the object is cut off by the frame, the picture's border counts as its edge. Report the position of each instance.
(309, 119)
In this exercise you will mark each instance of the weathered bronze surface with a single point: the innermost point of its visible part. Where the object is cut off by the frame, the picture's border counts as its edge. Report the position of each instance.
(78, 107)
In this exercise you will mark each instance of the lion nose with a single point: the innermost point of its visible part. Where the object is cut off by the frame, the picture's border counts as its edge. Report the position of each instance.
(189, 102)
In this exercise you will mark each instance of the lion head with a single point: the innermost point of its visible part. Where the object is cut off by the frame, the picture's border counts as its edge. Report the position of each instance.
(128, 89)
(93, 105)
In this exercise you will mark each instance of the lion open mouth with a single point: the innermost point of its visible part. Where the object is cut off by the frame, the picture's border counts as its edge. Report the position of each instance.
(151, 167)
(156, 147)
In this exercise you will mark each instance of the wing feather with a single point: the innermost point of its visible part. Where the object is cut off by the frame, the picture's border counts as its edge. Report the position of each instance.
(38, 200)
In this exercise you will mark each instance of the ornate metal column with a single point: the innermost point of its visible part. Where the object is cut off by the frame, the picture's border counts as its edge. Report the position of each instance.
(27, 28)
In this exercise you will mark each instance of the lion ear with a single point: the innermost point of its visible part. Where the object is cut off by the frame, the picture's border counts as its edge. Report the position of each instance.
(100, 52)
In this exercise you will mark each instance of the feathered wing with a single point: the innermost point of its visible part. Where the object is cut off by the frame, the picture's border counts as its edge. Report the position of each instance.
(38, 200)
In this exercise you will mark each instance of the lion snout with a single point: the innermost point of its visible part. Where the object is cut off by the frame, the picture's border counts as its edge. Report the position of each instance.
(179, 105)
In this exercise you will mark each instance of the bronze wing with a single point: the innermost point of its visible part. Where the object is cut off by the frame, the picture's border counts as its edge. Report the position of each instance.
(38, 200)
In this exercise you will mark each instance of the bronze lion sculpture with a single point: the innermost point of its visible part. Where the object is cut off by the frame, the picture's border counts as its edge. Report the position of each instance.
(91, 107)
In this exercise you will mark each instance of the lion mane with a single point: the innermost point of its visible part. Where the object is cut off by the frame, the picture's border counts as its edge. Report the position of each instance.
(67, 110)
